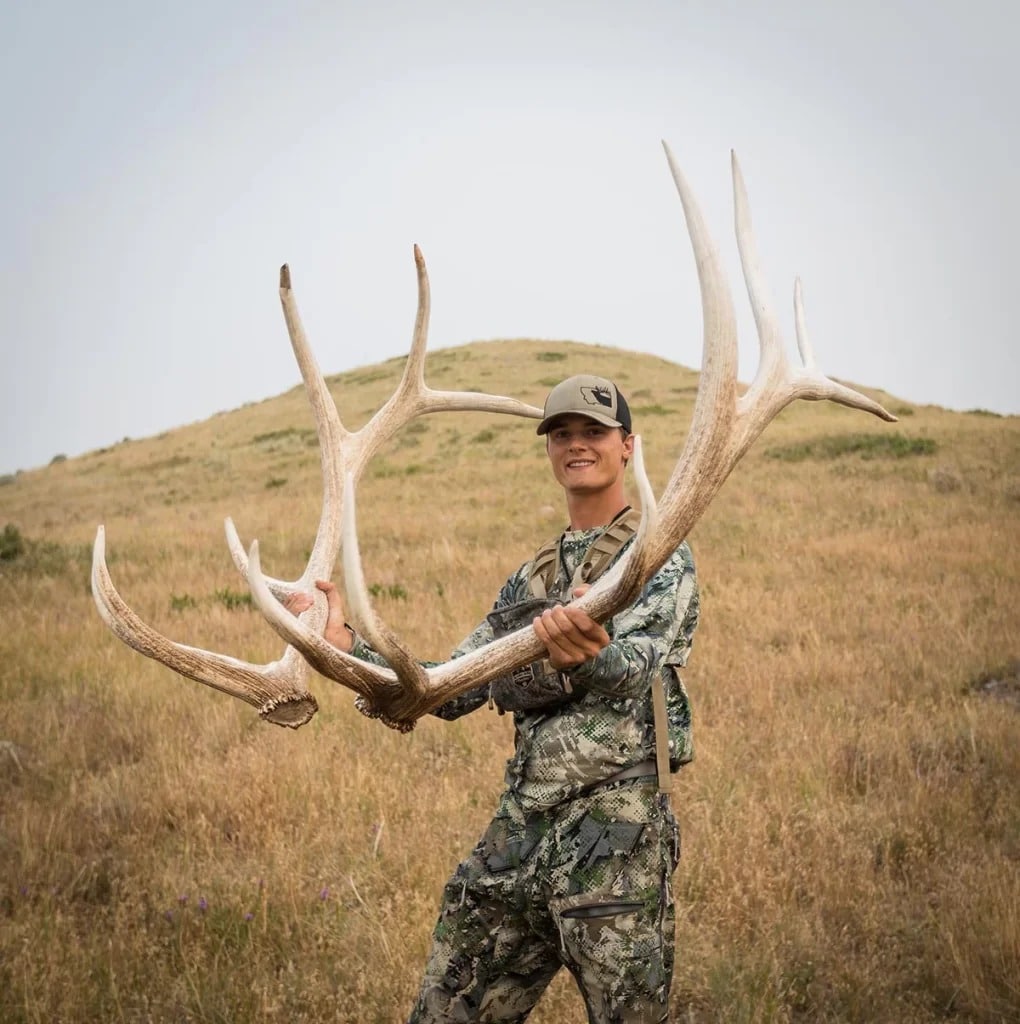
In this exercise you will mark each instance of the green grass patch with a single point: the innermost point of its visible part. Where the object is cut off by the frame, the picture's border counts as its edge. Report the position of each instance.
(232, 600)
(867, 446)
(283, 434)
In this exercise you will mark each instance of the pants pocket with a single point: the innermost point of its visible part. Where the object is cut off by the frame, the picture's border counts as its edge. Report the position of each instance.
(605, 929)
(613, 945)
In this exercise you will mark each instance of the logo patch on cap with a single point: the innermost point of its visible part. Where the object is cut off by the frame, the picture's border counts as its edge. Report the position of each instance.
(598, 396)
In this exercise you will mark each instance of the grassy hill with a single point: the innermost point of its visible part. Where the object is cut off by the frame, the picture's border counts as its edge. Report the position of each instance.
(851, 821)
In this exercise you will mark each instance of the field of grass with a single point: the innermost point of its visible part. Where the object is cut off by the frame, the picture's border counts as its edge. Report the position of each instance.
(851, 822)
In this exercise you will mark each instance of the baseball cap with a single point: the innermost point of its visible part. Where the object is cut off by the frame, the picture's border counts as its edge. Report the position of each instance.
(584, 395)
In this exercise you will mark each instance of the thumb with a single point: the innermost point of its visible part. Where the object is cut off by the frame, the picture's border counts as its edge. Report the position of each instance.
(581, 590)
(333, 598)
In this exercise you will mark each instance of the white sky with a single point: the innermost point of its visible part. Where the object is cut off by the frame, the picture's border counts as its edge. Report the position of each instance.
(161, 161)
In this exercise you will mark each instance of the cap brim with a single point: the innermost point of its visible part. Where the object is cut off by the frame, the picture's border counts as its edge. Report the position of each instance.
(606, 421)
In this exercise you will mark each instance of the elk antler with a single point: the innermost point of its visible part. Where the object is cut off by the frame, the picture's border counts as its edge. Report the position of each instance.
(279, 689)
(724, 426)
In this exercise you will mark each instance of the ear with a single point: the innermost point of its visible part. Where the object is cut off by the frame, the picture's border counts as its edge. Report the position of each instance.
(628, 448)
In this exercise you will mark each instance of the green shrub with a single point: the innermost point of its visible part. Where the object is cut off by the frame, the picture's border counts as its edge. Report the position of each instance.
(551, 357)
(276, 481)
(392, 590)
(180, 603)
(12, 544)
(43, 557)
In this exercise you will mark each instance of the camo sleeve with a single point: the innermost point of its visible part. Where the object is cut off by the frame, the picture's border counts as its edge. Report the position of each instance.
(657, 629)
(512, 591)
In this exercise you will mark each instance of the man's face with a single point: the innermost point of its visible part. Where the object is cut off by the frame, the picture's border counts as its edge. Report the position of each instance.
(586, 456)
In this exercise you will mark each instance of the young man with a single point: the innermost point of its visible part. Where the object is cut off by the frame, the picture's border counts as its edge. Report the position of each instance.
(574, 869)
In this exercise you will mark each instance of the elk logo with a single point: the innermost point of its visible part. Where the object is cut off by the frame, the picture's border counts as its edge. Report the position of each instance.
(597, 396)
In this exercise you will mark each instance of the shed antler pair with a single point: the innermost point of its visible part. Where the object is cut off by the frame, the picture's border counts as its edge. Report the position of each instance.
(724, 426)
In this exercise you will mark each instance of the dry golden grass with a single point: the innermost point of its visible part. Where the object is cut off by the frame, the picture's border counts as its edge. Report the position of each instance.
(851, 821)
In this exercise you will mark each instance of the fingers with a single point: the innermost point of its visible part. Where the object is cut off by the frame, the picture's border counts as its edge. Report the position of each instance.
(298, 602)
(333, 598)
(336, 631)
(569, 635)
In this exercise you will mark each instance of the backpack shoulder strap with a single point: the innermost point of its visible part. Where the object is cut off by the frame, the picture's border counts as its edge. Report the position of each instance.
(543, 568)
(596, 560)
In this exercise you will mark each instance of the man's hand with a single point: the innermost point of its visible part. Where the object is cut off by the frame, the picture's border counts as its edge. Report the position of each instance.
(337, 631)
(570, 636)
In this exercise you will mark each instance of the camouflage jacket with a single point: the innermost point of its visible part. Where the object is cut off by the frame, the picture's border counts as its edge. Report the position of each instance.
(563, 750)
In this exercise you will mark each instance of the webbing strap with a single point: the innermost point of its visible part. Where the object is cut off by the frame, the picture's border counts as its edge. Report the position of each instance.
(661, 720)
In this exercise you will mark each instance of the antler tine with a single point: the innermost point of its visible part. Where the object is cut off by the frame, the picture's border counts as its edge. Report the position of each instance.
(332, 436)
(406, 666)
(828, 388)
(275, 689)
(413, 397)
(776, 384)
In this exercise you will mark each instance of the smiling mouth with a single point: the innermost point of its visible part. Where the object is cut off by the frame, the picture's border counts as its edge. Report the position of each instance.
(580, 463)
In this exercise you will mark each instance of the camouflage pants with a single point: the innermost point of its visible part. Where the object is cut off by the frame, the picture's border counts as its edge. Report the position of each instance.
(583, 886)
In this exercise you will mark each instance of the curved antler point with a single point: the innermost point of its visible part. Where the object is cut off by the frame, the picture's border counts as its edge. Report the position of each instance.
(285, 277)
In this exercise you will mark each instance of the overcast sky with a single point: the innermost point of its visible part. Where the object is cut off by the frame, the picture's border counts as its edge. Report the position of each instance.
(162, 160)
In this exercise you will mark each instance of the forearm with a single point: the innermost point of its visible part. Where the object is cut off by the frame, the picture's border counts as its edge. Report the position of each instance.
(622, 669)
(657, 628)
